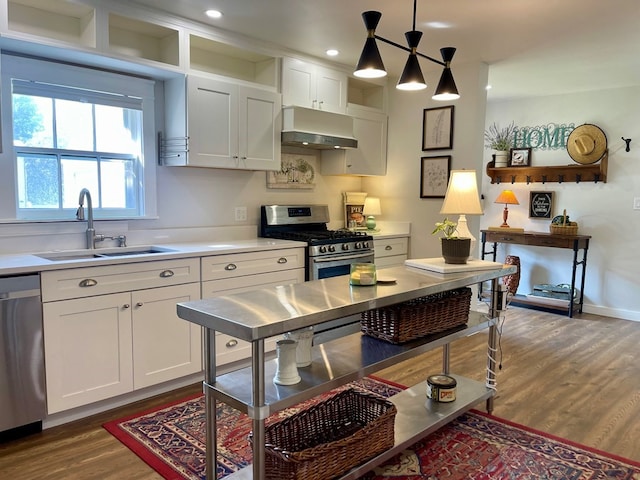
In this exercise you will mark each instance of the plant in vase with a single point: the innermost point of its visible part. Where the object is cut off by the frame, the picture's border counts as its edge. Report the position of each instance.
(455, 249)
(500, 140)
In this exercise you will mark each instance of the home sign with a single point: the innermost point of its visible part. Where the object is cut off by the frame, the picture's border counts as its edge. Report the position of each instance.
(552, 136)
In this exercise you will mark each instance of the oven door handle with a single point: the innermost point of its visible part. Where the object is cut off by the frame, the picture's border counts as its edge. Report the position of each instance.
(336, 258)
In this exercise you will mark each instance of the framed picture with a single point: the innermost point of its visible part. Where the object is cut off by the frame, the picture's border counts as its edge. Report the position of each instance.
(434, 176)
(520, 157)
(540, 204)
(437, 128)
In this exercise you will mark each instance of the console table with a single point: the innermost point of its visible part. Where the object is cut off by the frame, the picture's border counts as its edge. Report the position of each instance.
(576, 243)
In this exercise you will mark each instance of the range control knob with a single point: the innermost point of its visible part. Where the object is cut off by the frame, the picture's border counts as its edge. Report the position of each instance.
(365, 244)
(358, 245)
(332, 248)
(345, 246)
(323, 249)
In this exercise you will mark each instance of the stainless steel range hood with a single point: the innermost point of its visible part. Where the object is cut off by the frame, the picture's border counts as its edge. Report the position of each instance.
(310, 128)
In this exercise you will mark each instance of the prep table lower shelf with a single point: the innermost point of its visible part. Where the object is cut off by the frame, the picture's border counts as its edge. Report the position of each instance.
(417, 417)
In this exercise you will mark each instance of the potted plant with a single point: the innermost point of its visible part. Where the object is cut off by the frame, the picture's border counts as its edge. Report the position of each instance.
(455, 250)
(500, 140)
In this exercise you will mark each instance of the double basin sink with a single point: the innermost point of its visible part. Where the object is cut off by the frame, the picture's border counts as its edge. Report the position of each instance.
(64, 256)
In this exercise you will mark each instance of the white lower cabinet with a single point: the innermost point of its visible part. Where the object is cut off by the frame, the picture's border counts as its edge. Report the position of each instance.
(226, 274)
(101, 346)
(390, 252)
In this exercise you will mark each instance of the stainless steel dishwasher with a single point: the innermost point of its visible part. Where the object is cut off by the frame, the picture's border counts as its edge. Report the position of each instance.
(22, 384)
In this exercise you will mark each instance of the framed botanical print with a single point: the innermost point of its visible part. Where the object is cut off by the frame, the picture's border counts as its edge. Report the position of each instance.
(434, 176)
(437, 128)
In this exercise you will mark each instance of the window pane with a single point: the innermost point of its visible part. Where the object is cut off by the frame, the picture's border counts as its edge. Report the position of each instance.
(74, 125)
(118, 130)
(79, 173)
(118, 185)
(37, 177)
(32, 121)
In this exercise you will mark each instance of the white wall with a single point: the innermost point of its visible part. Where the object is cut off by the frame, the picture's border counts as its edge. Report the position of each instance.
(603, 210)
(399, 190)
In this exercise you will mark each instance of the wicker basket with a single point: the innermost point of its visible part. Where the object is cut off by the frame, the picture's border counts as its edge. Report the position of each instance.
(418, 318)
(563, 229)
(329, 438)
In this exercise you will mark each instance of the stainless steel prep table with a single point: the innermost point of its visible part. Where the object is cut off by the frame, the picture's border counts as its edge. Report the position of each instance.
(256, 315)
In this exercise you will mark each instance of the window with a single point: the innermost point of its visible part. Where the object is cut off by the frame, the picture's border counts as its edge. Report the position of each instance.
(77, 128)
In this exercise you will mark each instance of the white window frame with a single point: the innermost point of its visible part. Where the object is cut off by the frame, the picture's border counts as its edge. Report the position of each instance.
(14, 66)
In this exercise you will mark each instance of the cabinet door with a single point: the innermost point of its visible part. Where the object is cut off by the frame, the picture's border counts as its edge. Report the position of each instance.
(313, 86)
(390, 252)
(87, 350)
(370, 158)
(298, 83)
(331, 90)
(212, 123)
(165, 347)
(259, 127)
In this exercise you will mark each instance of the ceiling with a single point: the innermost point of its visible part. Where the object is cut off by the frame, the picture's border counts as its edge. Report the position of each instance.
(533, 47)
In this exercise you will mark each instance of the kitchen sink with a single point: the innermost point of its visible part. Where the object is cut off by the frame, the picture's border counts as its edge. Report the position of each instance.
(68, 255)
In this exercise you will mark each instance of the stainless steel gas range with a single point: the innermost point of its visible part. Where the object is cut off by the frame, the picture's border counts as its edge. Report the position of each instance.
(329, 253)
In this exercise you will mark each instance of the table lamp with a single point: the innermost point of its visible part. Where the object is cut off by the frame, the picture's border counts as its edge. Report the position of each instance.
(462, 199)
(508, 198)
(371, 209)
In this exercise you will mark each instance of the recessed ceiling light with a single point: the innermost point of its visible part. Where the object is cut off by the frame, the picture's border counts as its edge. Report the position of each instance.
(332, 52)
(438, 25)
(213, 13)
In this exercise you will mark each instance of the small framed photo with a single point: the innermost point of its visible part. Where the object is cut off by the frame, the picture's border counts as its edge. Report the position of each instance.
(434, 176)
(437, 128)
(540, 204)
(520, 157)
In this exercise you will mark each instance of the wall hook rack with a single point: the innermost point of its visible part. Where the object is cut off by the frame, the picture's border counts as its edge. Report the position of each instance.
(627, 141)
(595, 172)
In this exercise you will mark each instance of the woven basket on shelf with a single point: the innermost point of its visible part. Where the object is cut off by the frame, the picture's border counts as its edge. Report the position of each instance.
(563, 229)
(329, 438)
(418, 318)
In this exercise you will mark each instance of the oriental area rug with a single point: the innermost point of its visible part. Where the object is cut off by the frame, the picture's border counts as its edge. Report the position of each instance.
(171, 440)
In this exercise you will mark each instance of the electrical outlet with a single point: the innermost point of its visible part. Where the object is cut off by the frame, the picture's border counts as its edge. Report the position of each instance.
(241, 214)
(636, 203)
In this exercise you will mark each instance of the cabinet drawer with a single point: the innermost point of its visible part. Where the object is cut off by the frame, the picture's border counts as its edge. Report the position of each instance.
(551, 241)
(220, 267)
(230, 349)
(388, 247)
(89, 281)
(505, 237)
(213, 288)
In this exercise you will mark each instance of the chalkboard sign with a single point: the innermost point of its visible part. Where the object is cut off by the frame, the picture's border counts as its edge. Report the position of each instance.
(540, 204)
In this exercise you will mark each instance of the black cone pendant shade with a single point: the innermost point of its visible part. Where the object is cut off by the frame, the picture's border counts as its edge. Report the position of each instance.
(370, 64)
(446, 89)
(412, 78)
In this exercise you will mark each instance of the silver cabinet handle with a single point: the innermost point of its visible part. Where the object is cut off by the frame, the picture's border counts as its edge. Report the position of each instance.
(388, 247)
(166, 274)
(126, 305)
(231, 343)
(88, 282)
(282, 260)
(139, 304)
(231, 267)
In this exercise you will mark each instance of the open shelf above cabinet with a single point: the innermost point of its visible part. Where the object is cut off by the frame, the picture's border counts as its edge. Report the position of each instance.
(550, 174)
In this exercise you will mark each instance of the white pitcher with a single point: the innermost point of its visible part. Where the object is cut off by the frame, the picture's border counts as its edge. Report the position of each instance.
(304, 337)
(287, 372)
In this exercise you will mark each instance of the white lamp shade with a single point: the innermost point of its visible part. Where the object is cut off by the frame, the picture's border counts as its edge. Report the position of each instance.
(372, 206)
(462, 194)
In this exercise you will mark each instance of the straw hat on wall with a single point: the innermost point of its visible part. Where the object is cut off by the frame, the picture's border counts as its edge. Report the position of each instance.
(586, 144)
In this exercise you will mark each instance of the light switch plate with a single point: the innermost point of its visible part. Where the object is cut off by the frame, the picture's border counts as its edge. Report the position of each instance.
(241, 214)
(636, 203)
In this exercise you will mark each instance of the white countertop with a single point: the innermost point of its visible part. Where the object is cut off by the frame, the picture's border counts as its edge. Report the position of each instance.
(24, 263)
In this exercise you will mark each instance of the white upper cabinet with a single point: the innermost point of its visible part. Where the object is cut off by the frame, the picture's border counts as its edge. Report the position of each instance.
(313, 86)
(227, 125)
(370, 157)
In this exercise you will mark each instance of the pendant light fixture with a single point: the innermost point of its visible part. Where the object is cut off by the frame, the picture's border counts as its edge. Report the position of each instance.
(370, 64)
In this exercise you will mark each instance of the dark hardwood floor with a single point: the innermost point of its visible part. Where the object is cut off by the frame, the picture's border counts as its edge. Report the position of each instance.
(575, 378)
